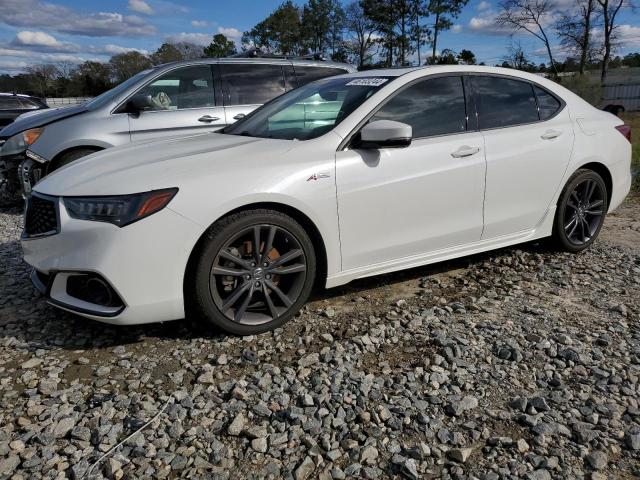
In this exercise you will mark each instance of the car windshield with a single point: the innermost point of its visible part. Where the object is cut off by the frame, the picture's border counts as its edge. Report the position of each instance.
(309, 111)
(109, 95)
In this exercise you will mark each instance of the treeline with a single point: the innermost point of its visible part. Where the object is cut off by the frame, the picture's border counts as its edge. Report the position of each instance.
(91, 78)
(365, 32)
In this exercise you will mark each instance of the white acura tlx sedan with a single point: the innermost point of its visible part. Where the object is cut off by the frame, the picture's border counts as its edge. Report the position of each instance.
(343, 178)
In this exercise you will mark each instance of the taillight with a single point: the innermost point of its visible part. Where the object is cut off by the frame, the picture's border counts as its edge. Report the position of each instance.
(625, 130)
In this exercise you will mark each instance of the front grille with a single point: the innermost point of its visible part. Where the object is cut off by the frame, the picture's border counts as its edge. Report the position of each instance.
(41, 216)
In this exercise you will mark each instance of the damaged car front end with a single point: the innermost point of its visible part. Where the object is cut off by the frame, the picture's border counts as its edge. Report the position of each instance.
(19, 171)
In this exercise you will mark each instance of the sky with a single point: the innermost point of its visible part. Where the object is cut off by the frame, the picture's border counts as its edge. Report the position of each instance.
(72, 31)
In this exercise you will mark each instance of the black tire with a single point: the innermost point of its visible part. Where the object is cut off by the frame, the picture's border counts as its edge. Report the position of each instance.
(203, 287)
(577, 188)
(67, 158)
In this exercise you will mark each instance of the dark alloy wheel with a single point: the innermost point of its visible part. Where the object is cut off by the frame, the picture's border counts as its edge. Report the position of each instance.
(258, 268)
(581, 211)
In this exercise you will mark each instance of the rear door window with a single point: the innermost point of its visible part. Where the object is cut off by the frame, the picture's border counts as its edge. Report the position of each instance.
(503, 102)
(251, 84)
(182, 88)
(309, 74)
(548, 105)
(432, 107)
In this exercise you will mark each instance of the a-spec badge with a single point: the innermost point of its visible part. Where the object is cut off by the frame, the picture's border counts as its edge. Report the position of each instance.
(318, 176)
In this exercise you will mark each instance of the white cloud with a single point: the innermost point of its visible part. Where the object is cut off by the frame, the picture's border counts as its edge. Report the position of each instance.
(199, 23)
(191, 37)
(111, 49)
(140, 6)
(205, 38)
(27, 37)
(40, 57)
(35, 14)
(457, 28)
(42, 42)
(13, 65)
(232, 33)
(485, 23)
(483, 5)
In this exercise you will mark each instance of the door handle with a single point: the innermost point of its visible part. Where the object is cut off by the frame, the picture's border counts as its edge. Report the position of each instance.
(465, 151)
(239, 116)
(208, 119)
(550, 134)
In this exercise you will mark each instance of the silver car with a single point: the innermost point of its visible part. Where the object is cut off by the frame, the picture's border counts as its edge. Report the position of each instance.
(179, 98)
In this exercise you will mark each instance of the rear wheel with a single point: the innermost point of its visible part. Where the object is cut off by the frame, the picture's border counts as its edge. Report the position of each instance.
(253, 272)
(581, 210)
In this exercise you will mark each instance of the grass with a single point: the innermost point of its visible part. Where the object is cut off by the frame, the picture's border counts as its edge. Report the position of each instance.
(633, 120)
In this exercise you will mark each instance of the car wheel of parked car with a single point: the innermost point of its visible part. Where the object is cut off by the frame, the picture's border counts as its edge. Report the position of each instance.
(581, 211)
(71, 156)
(253, 272)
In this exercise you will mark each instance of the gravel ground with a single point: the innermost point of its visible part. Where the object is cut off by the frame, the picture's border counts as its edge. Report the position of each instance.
(520, 363)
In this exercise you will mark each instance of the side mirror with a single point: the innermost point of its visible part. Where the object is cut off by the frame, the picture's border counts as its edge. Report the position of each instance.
(385, 134)
(138, 103)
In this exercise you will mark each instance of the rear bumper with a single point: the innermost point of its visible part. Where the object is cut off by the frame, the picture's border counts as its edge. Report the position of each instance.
(143, 263)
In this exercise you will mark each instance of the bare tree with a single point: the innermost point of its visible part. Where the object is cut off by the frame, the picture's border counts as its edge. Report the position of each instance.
(65, 68)
(361, 33)
(531, 16)
(610, 9)
(515, 57)
(574, 30)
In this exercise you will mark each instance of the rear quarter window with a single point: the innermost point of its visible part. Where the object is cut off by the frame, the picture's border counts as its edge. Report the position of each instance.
(548, 105)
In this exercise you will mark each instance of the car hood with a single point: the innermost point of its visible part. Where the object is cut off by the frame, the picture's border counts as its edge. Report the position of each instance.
(40, 118)
(150, 165)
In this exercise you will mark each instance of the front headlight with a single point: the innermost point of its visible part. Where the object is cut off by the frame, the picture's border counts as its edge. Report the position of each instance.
(120, 210)
(21, 141)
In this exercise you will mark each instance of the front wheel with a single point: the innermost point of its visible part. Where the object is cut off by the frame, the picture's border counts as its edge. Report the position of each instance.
(581, 210)
(253, 272)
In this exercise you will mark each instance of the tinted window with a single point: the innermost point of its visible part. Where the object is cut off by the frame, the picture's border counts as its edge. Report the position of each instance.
(309, 111)
(247, 84)
(548, 105)
(503, 102)
(432, 107)
(29, 104)
(10, 103)
(309, 74)
(190, 87)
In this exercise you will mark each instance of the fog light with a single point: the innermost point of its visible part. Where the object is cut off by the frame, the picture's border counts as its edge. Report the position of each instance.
(92, 288)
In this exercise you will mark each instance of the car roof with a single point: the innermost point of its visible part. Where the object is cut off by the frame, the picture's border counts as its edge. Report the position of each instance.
(6, 94)
(438, 69)
(261, 61)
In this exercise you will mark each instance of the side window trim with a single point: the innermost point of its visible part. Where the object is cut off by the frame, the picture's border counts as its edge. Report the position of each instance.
(532, 84)
(471, 105)
(217, 85)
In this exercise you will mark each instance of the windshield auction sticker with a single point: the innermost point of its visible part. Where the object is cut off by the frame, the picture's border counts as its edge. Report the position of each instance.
(367, 82)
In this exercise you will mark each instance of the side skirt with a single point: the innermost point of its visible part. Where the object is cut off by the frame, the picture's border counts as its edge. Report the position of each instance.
(544, 229)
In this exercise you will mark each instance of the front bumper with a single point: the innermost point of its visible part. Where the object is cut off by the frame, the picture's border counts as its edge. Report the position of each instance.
(143, 263)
